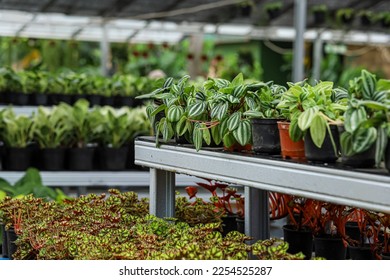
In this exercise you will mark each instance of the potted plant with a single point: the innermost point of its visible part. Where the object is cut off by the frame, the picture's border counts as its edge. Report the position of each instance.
(264, 117)
(273, 9)
(320, 13)
(52, 130)
(345, 16)
(384, 19)
(12, 87)
(367, 17)
(328, 225)
(364, 136)
(56, 87)
(123, 88)
(16, 134)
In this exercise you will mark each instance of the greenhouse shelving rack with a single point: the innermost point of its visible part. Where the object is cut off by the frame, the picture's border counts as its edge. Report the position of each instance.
(84, 179)
(359, 188)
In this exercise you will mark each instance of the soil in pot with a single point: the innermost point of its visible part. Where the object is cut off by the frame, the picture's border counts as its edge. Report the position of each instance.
(113, 159)
(365, 159)
(361, 253)
(299, 240)
(17, 159)
(289, 148)
(265, 135)
(330, 248)
(53, 159)
(327, 152)
(80, 159)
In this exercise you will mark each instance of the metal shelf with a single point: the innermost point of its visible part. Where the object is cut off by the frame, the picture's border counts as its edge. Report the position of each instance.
(258, 175)
(94, 178)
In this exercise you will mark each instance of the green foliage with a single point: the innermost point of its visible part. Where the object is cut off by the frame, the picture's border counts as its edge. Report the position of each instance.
(51, 128)
(15, 130)
(274, 249)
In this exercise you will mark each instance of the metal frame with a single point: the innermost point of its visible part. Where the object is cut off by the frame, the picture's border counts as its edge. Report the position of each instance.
(259, 175)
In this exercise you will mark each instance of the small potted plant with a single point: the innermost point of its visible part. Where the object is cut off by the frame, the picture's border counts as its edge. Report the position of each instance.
(319, 13)
(345, 16)
(384, 19)
(367, 18)
(273, 9)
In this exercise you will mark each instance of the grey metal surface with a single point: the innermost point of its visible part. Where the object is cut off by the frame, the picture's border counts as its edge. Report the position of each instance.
(98, 178)
(162, 193)
(359, 189)
(317, 57)
(299, 42)
(257, 223)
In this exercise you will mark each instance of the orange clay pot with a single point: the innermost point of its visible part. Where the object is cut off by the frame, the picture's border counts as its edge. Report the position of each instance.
(290, 149)
(238, 148)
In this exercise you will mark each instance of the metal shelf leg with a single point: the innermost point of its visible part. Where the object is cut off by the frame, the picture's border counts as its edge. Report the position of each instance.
(162, 193)
(257, 223)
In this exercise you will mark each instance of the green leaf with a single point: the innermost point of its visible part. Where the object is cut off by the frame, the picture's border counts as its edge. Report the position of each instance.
(228, 140)
(243, 133)
(346, 144)
(353, 118)
(234, 121)
(216, 135)
(381, 144)
(374, 105)
(305, 120)
(369, 84)
(167, 131)
(165, 95)
(239, 91)
(295, 132)
(318, 130)
(197, 109)
(223, 127)
(363, 138)
(174, 113)
(219, 111)
(206, 134)
(251, 102)
(254, 114)
(238, 80)
(232, 99)
(181, 126)
(168, 82)
(197, 137)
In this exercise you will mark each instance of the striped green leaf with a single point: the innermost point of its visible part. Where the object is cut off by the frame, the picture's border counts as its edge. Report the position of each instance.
(318, 130)
(232, 99)
(234, 120)
(239, 91)
(176, 89)
(221, 83)
(167, 131)
(228, 140)
(238, 80)
(200, 96)
(164, 95)
(197, 109)
(346, 144)
(219, 111)
(158, 109)
(223, 127)
(183, 80)
(381, 144)
(181, 126)
(168, 82)
(243, 133)
(295, 132)
(306, 118)
(174, 113)
(251, 102)
(369, 84)
(363, 138)
(216, 134)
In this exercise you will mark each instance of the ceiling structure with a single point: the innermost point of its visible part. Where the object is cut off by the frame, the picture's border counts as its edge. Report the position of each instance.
(169, 20)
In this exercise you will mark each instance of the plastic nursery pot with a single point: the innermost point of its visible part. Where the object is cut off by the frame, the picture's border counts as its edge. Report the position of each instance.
(365, 159)
(387, 156)
(319, 17)
(40, 99)
(80, 159)
(299, 240)
(4, 244)
(265, 136)
(53, 159)
(107, 101)
(17, 159)
(238, 148)
(11, 238)
(113, 159)
(352, 230)
(385, 256)
(22, 99)
(327, 152)
(240, 224)
(94, 99)
(361, 253)
(289, 148)
(330, 248)
(124, 101)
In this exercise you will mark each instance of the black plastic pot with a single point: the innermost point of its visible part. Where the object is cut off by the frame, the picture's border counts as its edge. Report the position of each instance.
(365, 20)
(40, 99)
(11, 238)
(319, 17)
(273, 13)
(229, 223)
(347, 20)
(365, 159)
(240, 224)
(385, 256)
(299, 240)
(361, 253)
(113, 159)
(330, 248)
(53, 159)
(4, 97)
(352, 230)
(66, 98)
(94, 100)
(80, 159)
(387, 156)
(17, 159)
(327, 152)
(122, 101)
(265, 135)
(22, 99)
(76, 97)
(107, 101)
(4, 244)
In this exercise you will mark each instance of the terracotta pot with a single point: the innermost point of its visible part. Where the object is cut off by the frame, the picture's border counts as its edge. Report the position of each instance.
(238, 148)
(289, 148)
